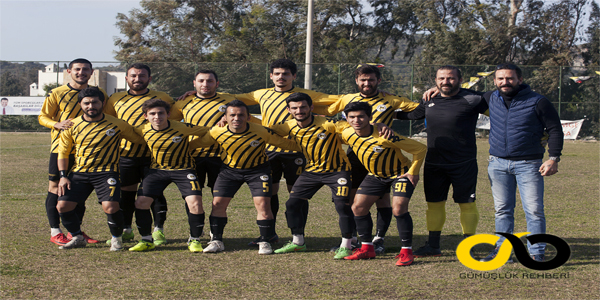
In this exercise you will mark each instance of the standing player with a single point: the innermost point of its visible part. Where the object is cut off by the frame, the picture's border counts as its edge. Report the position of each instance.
(387, 167)
(368, 78)
(242, 147)
(135, 157)
(95, 138)
(59, 109)
(171, 162)
(451, 154)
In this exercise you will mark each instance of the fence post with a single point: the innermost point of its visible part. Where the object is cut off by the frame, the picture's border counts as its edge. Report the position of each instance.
(339, 78)
(266, 75)
(559, 88)
(412, 84)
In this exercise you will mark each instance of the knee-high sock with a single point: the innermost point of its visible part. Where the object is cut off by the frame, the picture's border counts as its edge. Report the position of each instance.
(275, 205)
(217, 226)
(384, 219)
(115, 223)
(436, 215)
(266, 228)
(346, 218)
(469, 217)
(364, 227)
(159, 210)
(71, 222)
(143, 219)
(294, 215)
(128, 207)
(404, 223)
(51, 211)
(80, 209)
(196, 222)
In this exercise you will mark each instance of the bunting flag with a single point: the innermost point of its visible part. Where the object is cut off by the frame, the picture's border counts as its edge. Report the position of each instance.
(371, 64)
(581, 79)
(474, 80)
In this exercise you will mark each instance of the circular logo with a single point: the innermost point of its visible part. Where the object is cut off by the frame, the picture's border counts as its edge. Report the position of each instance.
(111, 181)
(110, 132)
(321, 136)
(377, 149)
(177, 139)
(381, 108)
(264, 177)
(342, 181)
(254, 143)
(222, 108)
(191, 176)
(299, 161)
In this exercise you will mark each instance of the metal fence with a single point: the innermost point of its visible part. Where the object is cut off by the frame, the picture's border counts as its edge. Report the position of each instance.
(573, 100)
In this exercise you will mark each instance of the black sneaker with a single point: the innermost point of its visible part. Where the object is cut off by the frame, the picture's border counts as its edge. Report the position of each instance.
(273, 240)
(493, 254)
(427, 251)
(378, 245)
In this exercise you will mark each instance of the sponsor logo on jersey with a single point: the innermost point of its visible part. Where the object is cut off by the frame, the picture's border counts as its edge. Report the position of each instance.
(321, 136)
(222, 108)
(342, 181)
(299, 161)
(254, 143)
(264, 177)
(377, 149)
(381, 108)
(191, 176)
(110, 132)
(431, 104)
(111, 181)
(177, 139)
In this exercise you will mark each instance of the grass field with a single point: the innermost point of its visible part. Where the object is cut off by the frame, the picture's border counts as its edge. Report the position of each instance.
(32, 267)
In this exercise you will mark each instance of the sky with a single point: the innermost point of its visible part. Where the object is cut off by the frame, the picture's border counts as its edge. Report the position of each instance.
(33, 30)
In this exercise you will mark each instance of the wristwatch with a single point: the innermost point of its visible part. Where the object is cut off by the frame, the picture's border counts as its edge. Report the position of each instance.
(554, 158)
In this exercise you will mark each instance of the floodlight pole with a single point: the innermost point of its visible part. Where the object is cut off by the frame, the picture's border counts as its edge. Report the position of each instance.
(309, 38)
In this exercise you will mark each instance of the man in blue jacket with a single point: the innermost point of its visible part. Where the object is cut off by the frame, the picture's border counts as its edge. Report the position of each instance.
(518, 119)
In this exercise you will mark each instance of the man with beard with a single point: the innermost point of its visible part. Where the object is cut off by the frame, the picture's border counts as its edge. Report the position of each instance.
(451, 154)
(368, 78)
(59, 109)
(95, 137)
(135, 157)
(518, 118)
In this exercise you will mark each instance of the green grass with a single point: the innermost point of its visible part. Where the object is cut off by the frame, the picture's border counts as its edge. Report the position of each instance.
(32, 267)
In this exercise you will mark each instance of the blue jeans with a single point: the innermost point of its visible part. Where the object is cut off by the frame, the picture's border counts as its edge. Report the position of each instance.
(505, 175)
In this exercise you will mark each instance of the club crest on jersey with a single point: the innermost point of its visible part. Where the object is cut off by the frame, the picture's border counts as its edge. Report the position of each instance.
(342, 181)
(431, 104)
(254, 143)
(381, 108)
(111, 181)
(191, 176)
(299, 161)
(377, 149)
(177, 139)
(321, 136)
(222, 108)
(264, 177)
(110, 132)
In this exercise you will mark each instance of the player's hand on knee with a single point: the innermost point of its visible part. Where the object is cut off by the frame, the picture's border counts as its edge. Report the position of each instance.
(414, 179)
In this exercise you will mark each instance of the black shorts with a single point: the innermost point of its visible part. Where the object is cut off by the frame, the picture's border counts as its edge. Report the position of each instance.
(359, 172)
(208, 167)
(230, 180)
(437, 180)
(132, 169)
(377, 186)
(309, 183)
(106, 184)
(156, 181)
(53, 166)
(290, 165)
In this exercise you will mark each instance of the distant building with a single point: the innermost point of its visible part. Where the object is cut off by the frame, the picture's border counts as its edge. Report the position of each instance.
(111, 82)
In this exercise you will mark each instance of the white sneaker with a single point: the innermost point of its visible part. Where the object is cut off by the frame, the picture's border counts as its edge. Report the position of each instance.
(116, 244)
(214, 247)
(77, 241)
(264, 248)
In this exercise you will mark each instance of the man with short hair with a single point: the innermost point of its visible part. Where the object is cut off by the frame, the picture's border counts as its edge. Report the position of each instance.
(135, 158)
(388, 168)
(519, 118)
(242, 147)
(6, 110)
(59, 109)
(451, 154)
(95, 138)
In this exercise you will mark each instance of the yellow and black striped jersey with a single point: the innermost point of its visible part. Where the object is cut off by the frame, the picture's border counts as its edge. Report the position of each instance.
(128, 107)
(60, 104)
(245, 150)
(383, 107)
(96, 143)
(320, 143)
(383, 157)
(204, 112)
(170, 146)
(273, 108)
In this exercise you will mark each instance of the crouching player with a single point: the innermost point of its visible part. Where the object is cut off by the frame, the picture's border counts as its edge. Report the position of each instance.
(96, 138)
(387, 167)
(171, 162)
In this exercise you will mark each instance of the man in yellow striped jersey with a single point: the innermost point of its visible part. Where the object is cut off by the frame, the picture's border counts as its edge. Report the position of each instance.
(58, 111)
(135, 158)
(95, 138)
(242, 148)
(368, 78)
(387, 167)
(171, 162)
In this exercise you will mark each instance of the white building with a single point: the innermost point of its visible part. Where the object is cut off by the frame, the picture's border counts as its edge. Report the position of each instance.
(111, 82)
